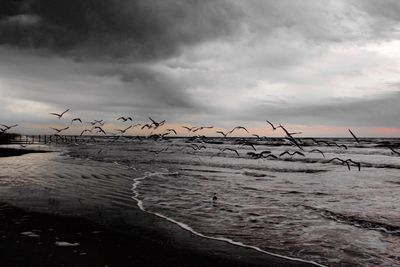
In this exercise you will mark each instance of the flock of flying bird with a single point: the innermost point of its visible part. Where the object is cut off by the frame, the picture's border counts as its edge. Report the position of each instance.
(96, 127)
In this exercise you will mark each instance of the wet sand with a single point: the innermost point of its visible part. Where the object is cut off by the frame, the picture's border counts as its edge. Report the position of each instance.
(29, 237)
(12, 152)
(32, 239)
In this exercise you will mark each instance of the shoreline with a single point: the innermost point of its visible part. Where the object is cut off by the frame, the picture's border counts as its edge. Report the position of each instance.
(29, 238)
(13, 152)
(189, 229)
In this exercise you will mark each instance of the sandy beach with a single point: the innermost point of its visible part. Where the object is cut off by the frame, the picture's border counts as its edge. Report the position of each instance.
(38, 239)
(29, 238)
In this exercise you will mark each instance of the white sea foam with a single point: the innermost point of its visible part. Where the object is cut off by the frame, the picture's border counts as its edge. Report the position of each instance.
(30, 234)
(65, 244)
(186, 227)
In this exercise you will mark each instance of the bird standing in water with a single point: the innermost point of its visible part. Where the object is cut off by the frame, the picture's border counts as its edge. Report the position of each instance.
(215, 198)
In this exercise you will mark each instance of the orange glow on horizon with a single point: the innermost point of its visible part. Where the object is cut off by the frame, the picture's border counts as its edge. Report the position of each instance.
(266, 130)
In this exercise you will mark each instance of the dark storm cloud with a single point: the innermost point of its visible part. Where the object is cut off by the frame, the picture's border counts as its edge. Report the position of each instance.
(387, 9)
(142, 29)
(204, 60)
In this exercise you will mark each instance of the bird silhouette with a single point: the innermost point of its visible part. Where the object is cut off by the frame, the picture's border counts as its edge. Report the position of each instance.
(189, 128)
(99, 130)
(156, 124)
(196, 147)
(136, 125)
(224, 134)
(76, 119)
(354, 136)
(230, 149)
(294, 142)
(125, 119)
(318, 151)
(394, 151)
(85, 131)
(123, 130)
(273, 126)
(171, 130)
(148, 126)
(259, 155)
(237, 128)
(291, 153)
(59, 115)
(341, 160)
(95, 122)
(59, 130)
(9, 127)
(249, 144)
(358, 164)
(202, 127)
(270, 156)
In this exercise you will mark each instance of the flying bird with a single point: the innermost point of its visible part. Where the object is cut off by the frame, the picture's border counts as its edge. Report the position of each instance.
(148, 126)
(196, 147)
(358, 164)
(259, 155)
(76, 119)
(156, 124)
(270, 155)
(59, 130)
(394, 151)
(342, 161)
(238, 128)
(291, 153)
(124, 130)
(85, 131)
(202, 127)
(354, 136)
(135, 125)
(100, 122)
(59, 115)
(230, 149)
(125, 119)
(100, 130)
(189, 128)
(273, 126)
(254, 155)
(250, 145)
(224, 134)
(294, 142)
(9, 127)
(171, 130)
(318, 151)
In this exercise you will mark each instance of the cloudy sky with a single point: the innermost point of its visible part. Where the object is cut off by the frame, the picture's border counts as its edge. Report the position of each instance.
(318, 66)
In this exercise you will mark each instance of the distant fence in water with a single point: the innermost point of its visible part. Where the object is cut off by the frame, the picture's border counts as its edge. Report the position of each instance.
(47, 139)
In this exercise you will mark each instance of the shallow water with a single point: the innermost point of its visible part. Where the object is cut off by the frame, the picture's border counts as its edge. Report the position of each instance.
(303, 207)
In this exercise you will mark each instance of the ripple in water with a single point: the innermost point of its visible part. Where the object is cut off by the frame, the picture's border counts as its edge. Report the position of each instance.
(301, 208)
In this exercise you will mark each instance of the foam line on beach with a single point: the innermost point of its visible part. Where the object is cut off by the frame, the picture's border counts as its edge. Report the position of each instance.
(186, 227)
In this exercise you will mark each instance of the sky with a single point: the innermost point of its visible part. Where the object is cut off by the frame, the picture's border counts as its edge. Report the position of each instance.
(316, 66)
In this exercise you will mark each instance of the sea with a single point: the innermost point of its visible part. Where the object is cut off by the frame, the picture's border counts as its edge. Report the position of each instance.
(305, 207)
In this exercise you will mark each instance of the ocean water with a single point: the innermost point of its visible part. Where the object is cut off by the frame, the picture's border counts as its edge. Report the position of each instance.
(295, 206)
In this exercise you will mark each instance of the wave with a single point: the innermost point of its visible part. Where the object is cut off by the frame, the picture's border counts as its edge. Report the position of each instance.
(357, 221)
(186, 227)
